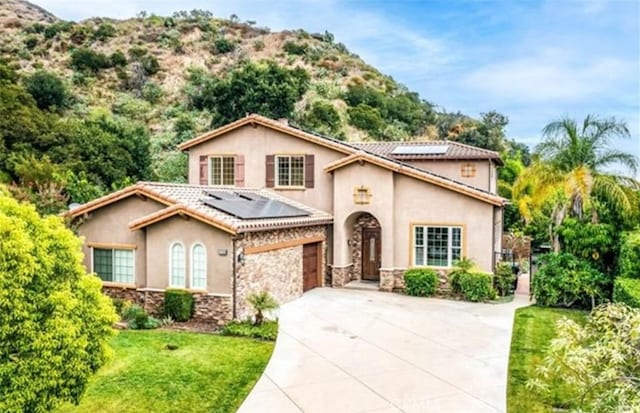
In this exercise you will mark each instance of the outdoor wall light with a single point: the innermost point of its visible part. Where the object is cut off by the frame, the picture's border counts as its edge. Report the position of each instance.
(241, 257)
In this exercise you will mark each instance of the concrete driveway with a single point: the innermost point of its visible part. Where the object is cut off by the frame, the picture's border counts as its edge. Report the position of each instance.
(345, 350)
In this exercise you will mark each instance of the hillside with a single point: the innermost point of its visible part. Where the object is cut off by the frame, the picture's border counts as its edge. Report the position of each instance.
(170, 78)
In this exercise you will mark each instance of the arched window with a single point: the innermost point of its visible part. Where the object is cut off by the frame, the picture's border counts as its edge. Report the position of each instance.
(177, 266)
(198, 267)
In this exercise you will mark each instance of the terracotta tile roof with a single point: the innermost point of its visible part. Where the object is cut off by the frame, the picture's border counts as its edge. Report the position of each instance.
(418, 173)
(183, 199)
(454, 150)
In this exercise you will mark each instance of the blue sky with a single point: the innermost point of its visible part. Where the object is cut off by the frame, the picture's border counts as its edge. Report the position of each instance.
(533, 61)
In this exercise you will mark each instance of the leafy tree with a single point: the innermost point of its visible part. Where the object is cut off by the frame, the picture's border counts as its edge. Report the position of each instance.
(265, 88)
(54, 321)
(86, 60)
(368, 119)
(47, 89)
(598, 362)
(322, 117)
(488, 134)
(569, 172)
(261, 302)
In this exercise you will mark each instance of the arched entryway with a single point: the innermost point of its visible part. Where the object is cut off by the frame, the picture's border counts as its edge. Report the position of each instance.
(365, 247)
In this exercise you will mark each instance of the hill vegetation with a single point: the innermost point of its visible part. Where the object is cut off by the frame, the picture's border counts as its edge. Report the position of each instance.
(90, 106)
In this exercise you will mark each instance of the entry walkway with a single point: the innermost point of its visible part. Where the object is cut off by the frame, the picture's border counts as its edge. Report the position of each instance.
(346, 351)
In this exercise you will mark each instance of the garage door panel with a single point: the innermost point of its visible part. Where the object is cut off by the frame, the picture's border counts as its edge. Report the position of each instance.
(310, 266)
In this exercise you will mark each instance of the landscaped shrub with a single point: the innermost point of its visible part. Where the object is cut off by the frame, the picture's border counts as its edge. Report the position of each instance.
(268, 330)
(178, 304)
(477, 286)
(627, 291)
(630, 255)
(421, 282)
(503, 278)
(566, 281)
(462, 266)
(137, 318)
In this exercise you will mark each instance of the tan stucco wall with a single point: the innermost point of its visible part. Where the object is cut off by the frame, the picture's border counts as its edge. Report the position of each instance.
(420, 203)
(255, 143)
(485, 171)
(380, 182)
(162, 235)
(110, 225)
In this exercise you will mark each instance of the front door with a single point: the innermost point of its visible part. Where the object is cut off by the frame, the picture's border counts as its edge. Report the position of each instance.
(371, 247)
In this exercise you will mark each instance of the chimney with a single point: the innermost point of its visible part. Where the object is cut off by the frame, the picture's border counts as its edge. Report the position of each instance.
(284, 121)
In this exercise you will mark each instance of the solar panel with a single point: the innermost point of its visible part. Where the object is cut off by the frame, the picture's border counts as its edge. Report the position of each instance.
(420, 150)
(246, 205)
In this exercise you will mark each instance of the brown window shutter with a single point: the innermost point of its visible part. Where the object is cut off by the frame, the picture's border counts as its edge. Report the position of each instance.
(239, 170)
(204, 170)
(270, 171)
(308, 171)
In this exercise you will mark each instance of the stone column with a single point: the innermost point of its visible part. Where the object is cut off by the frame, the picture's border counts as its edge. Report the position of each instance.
(387, 279)
(340, 276)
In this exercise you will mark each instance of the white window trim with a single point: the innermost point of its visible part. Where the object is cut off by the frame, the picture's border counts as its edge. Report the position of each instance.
(210, 169)
(91, 259)
(425, 246)
(277, 175)
(171, 285)
(206, 264)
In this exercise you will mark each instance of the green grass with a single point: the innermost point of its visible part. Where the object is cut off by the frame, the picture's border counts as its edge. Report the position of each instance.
(533, 329)
(206, 373)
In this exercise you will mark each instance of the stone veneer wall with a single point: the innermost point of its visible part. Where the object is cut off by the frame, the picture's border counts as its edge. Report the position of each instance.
(207, 307)
(277, 271)
(340, 276)
(365, 220)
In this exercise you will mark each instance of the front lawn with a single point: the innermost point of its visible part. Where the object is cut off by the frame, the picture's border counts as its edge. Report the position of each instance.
(533, 329)
(206, 373)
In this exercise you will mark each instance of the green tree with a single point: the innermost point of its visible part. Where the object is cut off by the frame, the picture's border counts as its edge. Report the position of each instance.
(47, 89)
(54, 321)
(598, 362)
(264, 88)
(569, 173)
(322, 117)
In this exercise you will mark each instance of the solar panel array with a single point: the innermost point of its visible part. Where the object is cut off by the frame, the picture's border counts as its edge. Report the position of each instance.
(247, 205)
(420, 150)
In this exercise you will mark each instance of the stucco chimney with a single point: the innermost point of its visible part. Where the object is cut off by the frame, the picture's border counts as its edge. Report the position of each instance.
(284, 121)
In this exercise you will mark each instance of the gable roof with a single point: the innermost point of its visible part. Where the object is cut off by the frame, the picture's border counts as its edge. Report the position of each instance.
(420, 174)
(454, 150)
(353, 149)
(255, 120)
(187, 200)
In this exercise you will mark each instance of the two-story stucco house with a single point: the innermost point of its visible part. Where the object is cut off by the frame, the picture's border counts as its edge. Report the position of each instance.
(271, 207)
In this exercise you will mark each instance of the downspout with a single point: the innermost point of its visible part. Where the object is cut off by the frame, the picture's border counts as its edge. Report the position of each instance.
(493, 240)
(234, 260)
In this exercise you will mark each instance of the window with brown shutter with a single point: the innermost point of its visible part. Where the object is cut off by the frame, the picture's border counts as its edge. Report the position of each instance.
(239, 172)
(270, 171)
(204, 170)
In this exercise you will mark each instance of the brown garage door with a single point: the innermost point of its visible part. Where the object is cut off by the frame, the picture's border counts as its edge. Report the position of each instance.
(310, 266)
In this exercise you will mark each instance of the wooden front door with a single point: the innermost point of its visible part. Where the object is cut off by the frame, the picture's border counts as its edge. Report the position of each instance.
(371, 252)
(310, 266)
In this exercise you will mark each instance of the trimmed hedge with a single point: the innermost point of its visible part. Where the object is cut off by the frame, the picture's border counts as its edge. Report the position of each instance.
(421, 282)
(476, 286)
(504, 278)
(178, 304)
(627, 291)
(268, 330)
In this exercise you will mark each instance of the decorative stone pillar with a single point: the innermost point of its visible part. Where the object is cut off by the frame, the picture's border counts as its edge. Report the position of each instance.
(387, 279)
(340, 276)
(398, 276)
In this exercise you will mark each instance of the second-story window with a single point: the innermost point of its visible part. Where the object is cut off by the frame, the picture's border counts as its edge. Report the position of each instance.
(222, 170)
(290, 170)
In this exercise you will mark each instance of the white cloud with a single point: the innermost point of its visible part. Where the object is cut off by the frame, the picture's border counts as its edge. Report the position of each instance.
(550, 76)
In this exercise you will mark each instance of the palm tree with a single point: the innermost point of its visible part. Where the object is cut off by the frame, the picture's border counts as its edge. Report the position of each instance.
(262, 301)
(568, 173)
